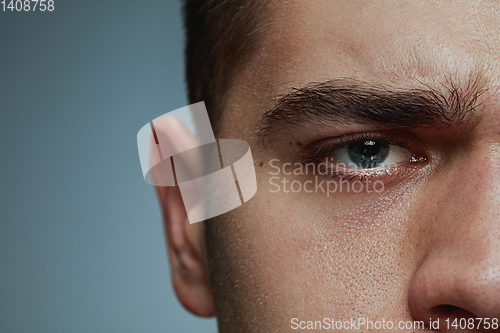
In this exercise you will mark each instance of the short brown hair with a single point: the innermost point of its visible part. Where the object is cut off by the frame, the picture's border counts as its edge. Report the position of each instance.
(221, 36)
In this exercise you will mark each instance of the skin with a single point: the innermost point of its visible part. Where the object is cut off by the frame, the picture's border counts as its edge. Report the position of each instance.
(430, 239)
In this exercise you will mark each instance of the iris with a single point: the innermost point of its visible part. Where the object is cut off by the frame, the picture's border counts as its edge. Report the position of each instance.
(368, 153)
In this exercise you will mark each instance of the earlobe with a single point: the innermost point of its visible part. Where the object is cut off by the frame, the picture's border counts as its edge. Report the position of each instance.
(186, 252)
(190, 280)
(185, 241)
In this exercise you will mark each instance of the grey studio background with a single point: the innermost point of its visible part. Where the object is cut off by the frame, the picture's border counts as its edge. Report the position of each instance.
(81, 240)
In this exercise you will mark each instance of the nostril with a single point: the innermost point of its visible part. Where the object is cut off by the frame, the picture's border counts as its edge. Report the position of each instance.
(446, 308)
(450, 311)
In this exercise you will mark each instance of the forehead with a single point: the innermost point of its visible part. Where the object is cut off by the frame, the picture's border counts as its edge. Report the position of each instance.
(385, 40)
(398, 43)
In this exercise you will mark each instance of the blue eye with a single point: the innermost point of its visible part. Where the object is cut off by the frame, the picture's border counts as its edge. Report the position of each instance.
(367, 155)
(370, 154)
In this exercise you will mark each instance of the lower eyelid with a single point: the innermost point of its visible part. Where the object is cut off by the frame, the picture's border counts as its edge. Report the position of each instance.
(384, 175)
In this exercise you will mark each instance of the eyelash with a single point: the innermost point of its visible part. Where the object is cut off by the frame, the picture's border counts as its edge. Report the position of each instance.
(326, 150)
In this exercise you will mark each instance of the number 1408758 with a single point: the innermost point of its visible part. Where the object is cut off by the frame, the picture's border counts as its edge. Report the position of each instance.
(28, 5)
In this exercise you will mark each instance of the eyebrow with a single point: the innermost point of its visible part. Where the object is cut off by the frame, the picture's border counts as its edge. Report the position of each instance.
(348, 101)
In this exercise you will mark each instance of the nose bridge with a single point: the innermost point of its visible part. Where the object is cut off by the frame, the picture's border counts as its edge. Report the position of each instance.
(461, 268)
(467, 209)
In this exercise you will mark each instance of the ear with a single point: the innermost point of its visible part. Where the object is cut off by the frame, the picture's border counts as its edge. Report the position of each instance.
(185, 241)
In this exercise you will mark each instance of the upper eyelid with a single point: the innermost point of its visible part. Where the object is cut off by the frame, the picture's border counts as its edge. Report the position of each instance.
(345, 140)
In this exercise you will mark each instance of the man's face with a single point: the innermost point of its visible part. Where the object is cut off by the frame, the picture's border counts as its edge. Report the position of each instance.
(424, 240)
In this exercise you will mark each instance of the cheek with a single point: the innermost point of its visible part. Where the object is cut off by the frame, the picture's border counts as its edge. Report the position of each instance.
(294, 254)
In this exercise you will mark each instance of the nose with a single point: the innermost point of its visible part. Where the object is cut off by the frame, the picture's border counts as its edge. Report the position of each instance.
(448, 288)
(459, 275)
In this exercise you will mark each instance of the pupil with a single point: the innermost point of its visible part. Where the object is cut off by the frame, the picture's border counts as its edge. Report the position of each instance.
(368, 153)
